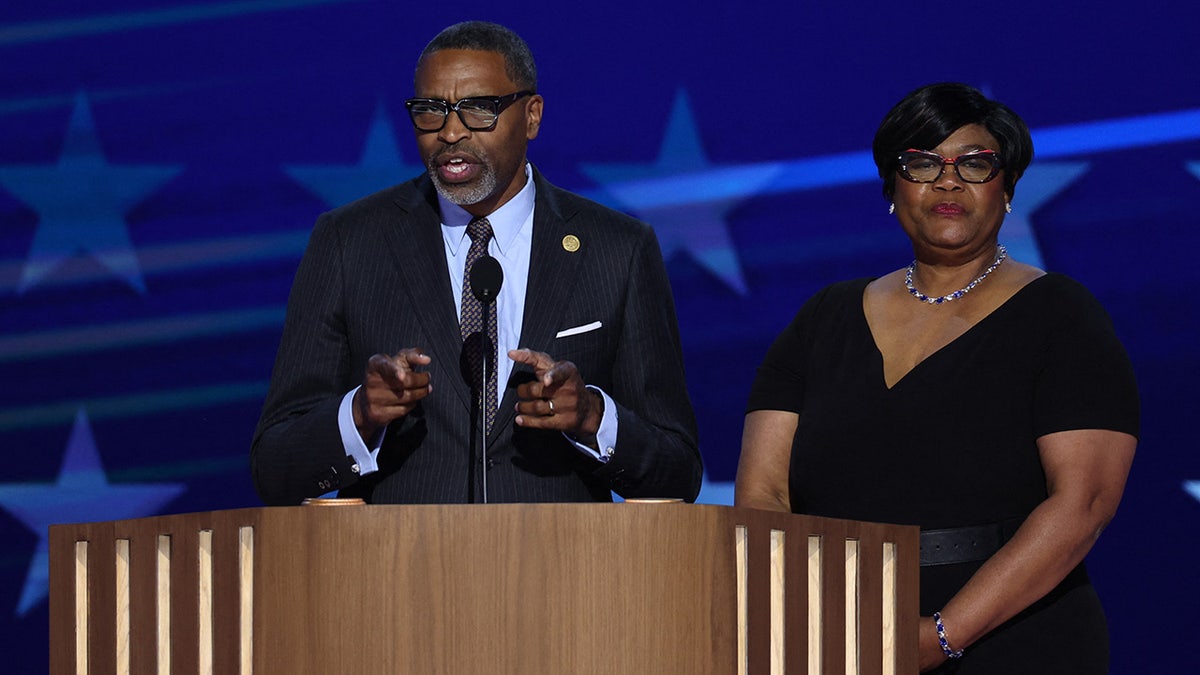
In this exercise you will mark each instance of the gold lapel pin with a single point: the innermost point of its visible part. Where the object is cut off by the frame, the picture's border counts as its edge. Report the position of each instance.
(570, 243)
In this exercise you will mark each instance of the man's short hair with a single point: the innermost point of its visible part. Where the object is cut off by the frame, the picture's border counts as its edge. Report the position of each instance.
(489, 37)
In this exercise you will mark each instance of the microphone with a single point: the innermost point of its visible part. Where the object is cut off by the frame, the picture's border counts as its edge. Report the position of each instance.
(486, 279)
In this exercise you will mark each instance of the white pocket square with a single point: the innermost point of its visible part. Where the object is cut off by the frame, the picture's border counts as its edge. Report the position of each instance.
(579, 329)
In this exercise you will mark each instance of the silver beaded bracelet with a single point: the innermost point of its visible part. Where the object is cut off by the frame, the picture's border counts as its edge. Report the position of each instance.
(941, 632)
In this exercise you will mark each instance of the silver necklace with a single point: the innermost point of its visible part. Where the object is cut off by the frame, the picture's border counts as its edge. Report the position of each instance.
(1001, 254)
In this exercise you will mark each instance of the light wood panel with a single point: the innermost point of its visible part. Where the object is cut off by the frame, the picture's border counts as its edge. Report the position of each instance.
(526, 588)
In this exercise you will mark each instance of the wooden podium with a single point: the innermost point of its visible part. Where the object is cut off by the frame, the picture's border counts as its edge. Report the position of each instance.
(514, 588)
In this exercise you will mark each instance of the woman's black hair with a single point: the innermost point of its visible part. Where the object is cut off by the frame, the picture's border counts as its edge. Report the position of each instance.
(929, 115)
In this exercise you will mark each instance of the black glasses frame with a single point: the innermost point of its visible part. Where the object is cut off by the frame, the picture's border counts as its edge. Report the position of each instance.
(498, 105)
(908, 155)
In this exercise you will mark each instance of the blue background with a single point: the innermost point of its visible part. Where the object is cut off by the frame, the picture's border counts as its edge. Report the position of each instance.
(161, 165)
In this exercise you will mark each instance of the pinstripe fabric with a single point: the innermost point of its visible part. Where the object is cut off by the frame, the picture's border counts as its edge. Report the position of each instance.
(374, 280)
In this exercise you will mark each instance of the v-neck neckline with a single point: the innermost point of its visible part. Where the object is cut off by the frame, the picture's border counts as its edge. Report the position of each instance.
(935, 354)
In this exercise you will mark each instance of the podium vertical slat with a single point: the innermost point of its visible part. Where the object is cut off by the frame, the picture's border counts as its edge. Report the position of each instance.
(62, 600)
(185, 597)
(162, 603)
(121, 551)
(102, 600)
(779, 591)
(143, 583)
(225, 595)
(850, 636)
(889, 617)
(81, 621)
(870, 609)
(833, 598)
(759, 590)
(796, 602)
(741, 552)
(245, 599)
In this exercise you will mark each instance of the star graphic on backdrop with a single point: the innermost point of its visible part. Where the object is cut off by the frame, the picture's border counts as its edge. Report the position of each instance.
(1041, 183)
(81, 204)
(692, 219)
(80, 494)
(381, 166)
(1193, 486)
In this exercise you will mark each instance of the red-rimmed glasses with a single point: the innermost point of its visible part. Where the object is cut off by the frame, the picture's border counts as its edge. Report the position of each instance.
(919, 166)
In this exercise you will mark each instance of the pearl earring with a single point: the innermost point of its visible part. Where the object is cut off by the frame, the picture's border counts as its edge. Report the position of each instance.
(1008, 207)
(891, 208)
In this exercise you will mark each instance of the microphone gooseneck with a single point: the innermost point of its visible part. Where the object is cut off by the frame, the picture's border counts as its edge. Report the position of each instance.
(486, 279)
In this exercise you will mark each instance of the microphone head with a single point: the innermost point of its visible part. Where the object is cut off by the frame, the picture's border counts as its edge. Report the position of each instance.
(486, 279)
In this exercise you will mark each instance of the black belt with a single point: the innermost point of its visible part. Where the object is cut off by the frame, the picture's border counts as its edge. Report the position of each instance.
(965, 544)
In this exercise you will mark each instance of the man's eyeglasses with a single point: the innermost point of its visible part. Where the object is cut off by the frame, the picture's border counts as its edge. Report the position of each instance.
(919, 166)
(477, 113)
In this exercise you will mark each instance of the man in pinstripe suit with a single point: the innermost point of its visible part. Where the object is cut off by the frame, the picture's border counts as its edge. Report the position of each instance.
(368, 396)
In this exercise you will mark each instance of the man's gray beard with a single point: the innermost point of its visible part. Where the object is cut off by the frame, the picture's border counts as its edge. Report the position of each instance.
(465, 195)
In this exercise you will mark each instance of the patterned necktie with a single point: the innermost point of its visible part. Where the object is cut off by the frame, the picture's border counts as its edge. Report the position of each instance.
(471, 322)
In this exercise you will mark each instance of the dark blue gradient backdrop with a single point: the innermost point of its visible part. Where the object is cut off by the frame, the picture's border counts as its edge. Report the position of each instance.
(161, 165)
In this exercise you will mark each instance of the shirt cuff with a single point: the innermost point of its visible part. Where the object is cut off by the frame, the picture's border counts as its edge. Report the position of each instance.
(356, 449)
(606, 435)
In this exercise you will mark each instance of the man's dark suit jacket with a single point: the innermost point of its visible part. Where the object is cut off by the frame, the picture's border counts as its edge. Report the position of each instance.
(374, 279)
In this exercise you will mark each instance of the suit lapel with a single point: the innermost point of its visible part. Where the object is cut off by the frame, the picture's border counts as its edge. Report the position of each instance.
(415, 242)
(552, 275)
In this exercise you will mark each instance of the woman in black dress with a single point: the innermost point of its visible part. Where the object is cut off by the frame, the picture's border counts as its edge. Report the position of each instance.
(976, 396)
